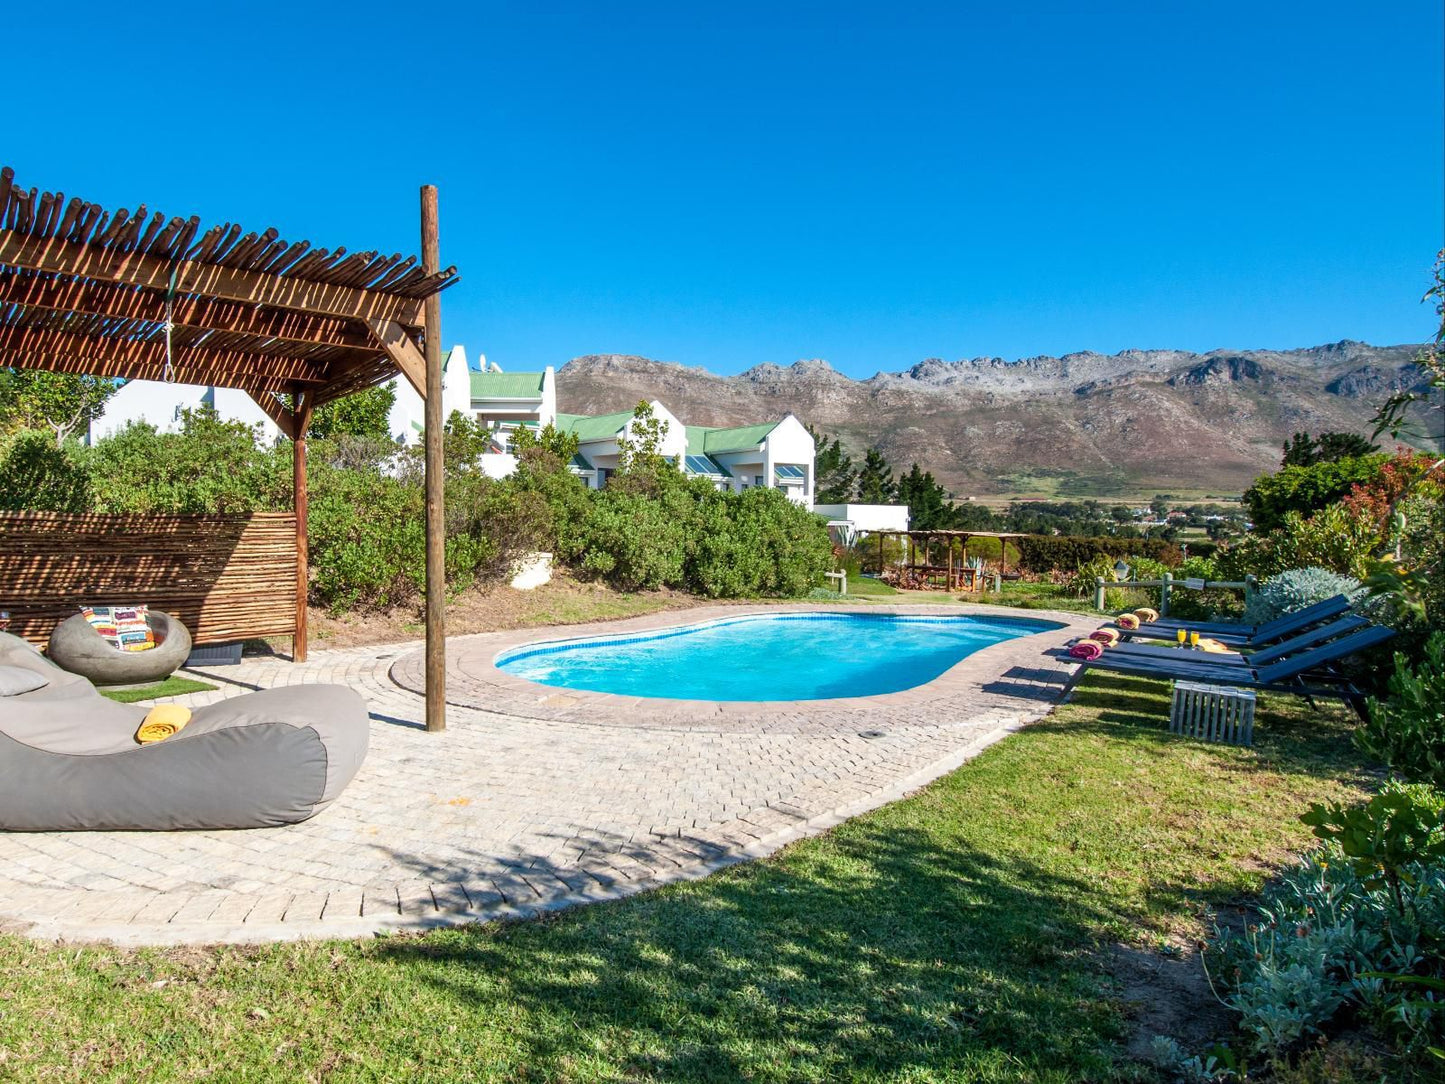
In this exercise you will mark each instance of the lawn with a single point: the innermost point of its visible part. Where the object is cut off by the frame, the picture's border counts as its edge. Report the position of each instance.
(171, 686)
(969, 932)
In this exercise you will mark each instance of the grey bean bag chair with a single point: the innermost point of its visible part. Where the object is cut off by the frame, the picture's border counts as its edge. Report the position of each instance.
(77, 647)
(69, 760)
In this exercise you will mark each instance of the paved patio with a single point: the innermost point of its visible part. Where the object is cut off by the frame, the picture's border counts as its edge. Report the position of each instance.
(533, 799)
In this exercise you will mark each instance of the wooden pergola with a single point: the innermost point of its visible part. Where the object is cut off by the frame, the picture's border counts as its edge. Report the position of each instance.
(955, 576)
(136, 295)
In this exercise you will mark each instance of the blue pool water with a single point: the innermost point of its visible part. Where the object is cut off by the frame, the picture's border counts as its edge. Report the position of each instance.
(769, 656)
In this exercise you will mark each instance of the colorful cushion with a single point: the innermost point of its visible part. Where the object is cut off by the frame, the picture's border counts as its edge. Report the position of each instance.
(125, 627)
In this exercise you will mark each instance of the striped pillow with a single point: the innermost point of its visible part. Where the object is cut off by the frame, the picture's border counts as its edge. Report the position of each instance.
(125, 627)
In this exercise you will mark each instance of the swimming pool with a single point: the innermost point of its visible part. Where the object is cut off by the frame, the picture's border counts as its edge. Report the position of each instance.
(790, 656)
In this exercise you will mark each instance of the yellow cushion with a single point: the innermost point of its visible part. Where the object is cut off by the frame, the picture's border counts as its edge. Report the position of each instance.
(161, 722)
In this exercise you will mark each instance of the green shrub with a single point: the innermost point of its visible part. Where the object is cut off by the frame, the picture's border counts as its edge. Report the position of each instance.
(1332, 538)
(368, 539)
(1304, 490)
(1335, 937)
(209, 466)
(36, 475)
(1407, 730)
(633, 541)
(1295, 589)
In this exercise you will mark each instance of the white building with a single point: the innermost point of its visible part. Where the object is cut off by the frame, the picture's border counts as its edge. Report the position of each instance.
(484, 393)
(161, 404)
(778, 455)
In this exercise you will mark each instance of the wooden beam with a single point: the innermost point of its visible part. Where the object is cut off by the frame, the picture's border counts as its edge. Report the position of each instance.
(128, 303)
(195, 367)
(400, 348)
(274, 409)
(207, 280)
(301, 421)
(436, 664)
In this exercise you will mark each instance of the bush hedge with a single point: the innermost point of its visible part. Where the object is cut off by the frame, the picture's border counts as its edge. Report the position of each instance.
(366, 514)
(1046, 553)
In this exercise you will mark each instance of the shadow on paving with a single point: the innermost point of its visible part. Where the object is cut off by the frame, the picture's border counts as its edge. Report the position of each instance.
(883, 950)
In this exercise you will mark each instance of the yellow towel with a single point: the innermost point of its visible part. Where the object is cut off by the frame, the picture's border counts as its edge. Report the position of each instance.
(161, 722)
(1214, 646)
(1147, 614)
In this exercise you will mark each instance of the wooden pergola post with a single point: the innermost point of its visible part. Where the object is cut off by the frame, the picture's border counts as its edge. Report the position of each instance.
(436, 717)
(301, 422)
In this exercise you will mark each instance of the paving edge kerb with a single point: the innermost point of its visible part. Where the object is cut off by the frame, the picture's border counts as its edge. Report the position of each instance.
(181, 933)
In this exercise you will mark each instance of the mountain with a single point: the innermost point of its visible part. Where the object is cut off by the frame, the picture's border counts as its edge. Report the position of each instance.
(1082, 424)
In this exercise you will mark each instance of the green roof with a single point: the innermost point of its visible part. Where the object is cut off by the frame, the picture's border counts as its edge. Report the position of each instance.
(507, 385)
(594, 426)
(702, 440)
(580, 462)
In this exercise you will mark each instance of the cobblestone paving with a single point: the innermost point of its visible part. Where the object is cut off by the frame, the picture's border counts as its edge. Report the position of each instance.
(531, 800)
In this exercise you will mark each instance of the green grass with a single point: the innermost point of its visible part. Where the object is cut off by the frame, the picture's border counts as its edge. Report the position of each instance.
(959, 935)
(172, 686)
(867, 587)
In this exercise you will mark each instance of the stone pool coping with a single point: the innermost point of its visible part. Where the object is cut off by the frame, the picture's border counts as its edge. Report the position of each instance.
(474, 680)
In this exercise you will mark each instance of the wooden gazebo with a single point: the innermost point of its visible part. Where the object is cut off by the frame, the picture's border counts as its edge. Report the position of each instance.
(949, 574)
(140, 296)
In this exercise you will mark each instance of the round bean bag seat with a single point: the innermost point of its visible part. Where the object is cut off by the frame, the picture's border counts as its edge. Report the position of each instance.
(77, 647)
(69, 760)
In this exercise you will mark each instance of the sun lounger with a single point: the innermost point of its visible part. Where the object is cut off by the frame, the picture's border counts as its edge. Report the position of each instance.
(1306, 673)
(1318, 635)
(1234, 635)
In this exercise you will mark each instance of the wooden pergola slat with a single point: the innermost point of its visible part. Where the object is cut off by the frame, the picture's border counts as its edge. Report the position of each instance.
(85, 290)
(37, 291)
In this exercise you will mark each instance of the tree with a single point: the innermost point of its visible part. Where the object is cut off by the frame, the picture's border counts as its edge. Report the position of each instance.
(640, 460)
(875, 479)
(364, 414)
(1303, 450)
(928, 504)
(59, 402)
(834, 478)
(1159, 506)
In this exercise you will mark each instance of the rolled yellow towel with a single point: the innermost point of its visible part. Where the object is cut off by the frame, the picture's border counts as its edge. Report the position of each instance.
(161, 722)
(1127, 621)
(1213, 646)
(1146, 614)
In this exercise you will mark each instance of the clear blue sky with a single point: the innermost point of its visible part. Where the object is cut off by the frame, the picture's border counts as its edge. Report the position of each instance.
(728, 184)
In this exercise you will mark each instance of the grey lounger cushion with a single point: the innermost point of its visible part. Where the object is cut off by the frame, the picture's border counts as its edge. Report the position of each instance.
(69, 760)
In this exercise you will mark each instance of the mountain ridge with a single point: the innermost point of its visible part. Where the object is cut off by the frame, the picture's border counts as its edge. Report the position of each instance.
(1079, 423)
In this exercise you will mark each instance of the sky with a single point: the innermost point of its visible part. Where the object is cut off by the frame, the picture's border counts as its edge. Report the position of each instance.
(730, 184)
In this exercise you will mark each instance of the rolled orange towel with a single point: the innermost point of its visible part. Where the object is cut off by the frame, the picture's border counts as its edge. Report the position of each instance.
(1127, 621)
(161, 722)
(1107, 637)
(1088, 650)
(1146, 614)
